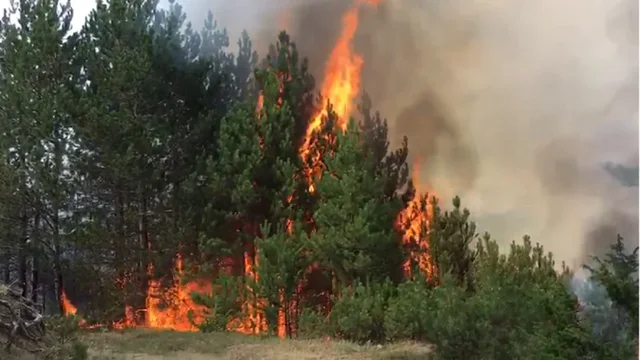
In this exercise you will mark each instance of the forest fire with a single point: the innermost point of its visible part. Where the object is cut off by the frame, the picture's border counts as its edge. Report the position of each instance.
(340, 86)
(178, 303)
(67, 307)
(412, 222)
(173, 307)
(165, 308)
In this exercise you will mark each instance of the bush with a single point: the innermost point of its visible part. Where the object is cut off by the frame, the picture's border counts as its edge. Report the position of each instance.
(519, 309)
(360, 313)
(618, 273)
(79, 351)
(223, 305)
(409, 312)
(452, 323)
(64, 328)
(65, 342)
(312, 325)
(609, 299)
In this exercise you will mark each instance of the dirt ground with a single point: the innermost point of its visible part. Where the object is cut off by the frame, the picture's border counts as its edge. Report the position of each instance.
(156, 345)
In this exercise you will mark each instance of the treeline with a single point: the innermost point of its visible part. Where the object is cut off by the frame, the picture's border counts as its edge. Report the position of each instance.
(139, 138)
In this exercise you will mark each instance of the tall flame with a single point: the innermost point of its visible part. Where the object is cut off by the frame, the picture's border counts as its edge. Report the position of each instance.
(413, 221)
(340, 86)
(68, 308)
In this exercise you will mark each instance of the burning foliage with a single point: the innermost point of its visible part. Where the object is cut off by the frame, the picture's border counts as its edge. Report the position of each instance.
(172, 307)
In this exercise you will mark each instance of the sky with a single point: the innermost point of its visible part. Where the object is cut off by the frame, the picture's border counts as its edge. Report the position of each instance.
(82, 8)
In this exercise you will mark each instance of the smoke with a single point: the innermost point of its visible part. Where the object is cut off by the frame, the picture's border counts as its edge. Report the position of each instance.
(608, 322)
(513, 105)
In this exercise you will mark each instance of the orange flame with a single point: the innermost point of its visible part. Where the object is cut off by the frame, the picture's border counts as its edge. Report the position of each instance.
(68, 308)
(341, 80)
(413, 221)
(168, 308)
(171, 308)
(254, 322)
(260, 105)
(340, 86)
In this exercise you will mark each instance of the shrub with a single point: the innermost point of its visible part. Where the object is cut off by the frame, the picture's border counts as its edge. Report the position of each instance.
(64, 328)
(519, 308)
(312, 325)
(360, 313)
(618, 273)
(452, 322)
(79, 351)
(609, 299)
(65, 344)
(409, 312)
(223, 305)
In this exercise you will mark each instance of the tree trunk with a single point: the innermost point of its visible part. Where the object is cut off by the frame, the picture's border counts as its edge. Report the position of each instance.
(145, 245)
(57, 245)
(57, 264)
(287, 316)
(120, 244)
(7, 266)
(22, 259)
(35, 279)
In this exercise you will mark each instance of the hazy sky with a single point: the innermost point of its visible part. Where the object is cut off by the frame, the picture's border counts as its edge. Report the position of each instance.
(81, 9)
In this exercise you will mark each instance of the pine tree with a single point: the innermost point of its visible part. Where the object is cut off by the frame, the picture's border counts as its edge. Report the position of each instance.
(618, 273)
(297, 83)
(37, 100)
(355, 239)
(123, 129)
(451, 236)
(250, 179)
(392, 166)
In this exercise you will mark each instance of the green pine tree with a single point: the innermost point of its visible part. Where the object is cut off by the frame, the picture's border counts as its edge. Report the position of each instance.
(355, 239)
(37, 103)
(618, 273)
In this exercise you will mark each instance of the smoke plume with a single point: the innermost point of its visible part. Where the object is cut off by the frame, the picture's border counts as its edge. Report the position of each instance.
(513, 105)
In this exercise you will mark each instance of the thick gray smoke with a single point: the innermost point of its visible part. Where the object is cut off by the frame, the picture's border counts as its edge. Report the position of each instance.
(513, 105)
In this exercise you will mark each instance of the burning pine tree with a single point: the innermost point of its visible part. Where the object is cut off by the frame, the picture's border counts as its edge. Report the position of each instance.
(307, 201)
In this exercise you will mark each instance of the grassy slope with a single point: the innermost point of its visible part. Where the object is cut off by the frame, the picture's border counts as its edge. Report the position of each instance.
(153, 345)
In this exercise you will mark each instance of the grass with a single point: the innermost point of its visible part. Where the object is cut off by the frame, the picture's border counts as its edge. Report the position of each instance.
(156, 345)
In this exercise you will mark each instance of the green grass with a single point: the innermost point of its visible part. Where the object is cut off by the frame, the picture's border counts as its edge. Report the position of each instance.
(151, 345)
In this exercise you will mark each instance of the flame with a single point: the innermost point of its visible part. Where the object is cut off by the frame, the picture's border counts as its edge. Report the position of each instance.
(68, 309)
(260, 105)
(127, 322)
(412, 221)
(166, 308)
(254, 322)
(341, 81)
(171, 308)
(340, 86)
